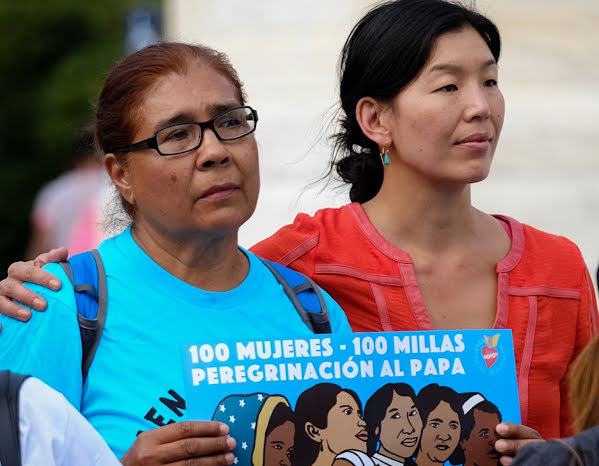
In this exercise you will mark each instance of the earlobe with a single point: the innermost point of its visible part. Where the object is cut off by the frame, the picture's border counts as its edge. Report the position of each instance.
(312, 431)
(372, 116)
(120, 176)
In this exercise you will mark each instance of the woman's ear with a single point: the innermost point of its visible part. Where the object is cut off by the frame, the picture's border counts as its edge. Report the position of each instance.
(374, 119)
(313, 432)
(120, 176)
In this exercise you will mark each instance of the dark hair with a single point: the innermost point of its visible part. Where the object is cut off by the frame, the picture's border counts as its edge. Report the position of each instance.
(127, 85)
(324, 396)
(280, 415)
(376, 408)
(584, 387)
(384, 52)
(429, 398)
(468, 418)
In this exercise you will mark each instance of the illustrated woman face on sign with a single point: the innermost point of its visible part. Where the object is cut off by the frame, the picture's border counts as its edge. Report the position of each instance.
(275, 431)
(393, 422)
(441, 414)
(328, 422)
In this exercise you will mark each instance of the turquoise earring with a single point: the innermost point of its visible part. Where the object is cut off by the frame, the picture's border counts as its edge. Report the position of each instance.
(385, 157)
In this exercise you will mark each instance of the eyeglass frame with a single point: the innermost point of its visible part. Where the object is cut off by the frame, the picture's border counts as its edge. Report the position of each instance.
(152, 143)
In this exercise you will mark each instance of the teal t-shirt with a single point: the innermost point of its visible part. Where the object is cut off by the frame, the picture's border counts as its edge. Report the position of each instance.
(135, 382)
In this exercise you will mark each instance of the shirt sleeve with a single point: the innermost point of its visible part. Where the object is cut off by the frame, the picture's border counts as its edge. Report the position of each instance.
(292, 245)
(48, 346)
(53, 432)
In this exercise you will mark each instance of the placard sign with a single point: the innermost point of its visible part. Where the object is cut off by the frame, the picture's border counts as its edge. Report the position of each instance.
(429, 397)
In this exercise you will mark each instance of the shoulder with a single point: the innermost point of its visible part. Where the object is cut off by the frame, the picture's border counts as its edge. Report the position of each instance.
(61, 305)
(551, 244)
(303, 235)
(557, 452)
(355, 457)
(545, 257)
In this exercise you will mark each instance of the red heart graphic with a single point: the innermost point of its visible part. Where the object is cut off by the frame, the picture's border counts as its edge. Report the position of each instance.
(489, 355)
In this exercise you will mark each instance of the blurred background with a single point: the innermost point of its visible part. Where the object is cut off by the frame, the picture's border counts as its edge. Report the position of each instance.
(55, 55)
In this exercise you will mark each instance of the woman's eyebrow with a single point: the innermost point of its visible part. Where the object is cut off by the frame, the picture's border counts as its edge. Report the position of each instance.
(456, 68)
(220, 108)
(186, 117)
(183, 117)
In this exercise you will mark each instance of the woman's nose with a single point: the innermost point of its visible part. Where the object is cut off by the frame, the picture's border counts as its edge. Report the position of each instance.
(212, 152)
(477, 104)
(444, 436)
(407, 427)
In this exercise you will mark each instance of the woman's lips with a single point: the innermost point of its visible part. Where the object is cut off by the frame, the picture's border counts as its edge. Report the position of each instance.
(362, 435)
(478, 141)
(410, 442)
(219, 191)
(442, 446)
(475, 145)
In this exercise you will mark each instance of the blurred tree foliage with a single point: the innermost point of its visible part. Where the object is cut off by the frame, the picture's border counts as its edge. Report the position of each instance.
(53, 60)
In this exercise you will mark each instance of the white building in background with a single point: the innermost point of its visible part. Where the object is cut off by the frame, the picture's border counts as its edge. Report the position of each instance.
(546, 167)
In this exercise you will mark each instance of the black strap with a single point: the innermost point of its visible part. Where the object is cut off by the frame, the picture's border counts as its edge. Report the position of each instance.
(100, 317)
(10, 443)
(317, 322)
(90, 297)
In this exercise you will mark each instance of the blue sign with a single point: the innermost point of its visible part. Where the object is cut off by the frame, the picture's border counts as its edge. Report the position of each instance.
(409, 397)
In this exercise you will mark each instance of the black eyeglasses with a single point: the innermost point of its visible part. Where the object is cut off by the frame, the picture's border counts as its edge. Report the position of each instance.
(185, 137)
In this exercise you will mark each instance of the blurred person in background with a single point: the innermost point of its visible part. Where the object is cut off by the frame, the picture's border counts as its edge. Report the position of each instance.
(581, 449)
(68, 210)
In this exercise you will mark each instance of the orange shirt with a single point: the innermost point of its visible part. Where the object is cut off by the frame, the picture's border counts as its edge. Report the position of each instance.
(545, 295)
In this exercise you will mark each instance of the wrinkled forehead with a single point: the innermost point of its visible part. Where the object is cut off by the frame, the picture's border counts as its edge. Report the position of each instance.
(199, 93)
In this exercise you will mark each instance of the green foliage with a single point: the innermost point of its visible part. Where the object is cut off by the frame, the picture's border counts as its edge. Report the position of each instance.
(53, 60)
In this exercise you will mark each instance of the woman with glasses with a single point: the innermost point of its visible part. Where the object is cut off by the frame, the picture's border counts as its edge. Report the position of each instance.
(179, 146)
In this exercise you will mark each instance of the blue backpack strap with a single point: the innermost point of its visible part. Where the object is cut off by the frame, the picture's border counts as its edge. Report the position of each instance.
(87, 275)
(10, 437)
(305, 296)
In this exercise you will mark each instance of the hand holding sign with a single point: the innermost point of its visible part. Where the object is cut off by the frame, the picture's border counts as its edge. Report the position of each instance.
(207, 442)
